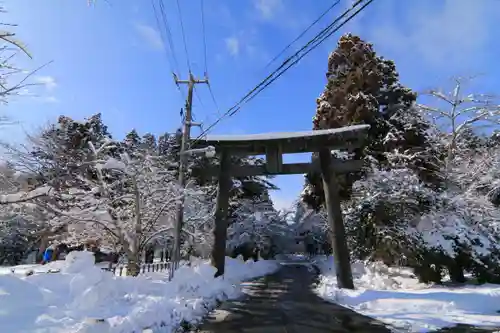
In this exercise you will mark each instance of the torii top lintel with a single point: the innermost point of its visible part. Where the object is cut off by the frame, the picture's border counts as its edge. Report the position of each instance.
(289, 142)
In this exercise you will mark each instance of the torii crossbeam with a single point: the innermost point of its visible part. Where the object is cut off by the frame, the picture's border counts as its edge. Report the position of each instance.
(273, 146)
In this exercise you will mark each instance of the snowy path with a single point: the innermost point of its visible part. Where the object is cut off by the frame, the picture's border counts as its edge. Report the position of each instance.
(285, 302)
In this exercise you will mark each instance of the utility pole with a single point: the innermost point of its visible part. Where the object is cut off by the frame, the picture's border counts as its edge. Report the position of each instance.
(188, 123)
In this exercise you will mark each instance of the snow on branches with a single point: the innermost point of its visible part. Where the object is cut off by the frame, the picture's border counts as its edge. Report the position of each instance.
(121, 194)
(460, 113)
(257, 225)
(396, 218)
(24, 196)
(140, 195)
(127, 200)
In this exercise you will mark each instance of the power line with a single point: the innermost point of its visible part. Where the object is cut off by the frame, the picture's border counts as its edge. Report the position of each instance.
(162, 35)
(303, 32)
(315, 42)
(166, 31)
(188, 62)
(166, 37)
(318, 42)
(214, 100)
(198, 97)
(169, 35)
(288, 63)
(202, 9)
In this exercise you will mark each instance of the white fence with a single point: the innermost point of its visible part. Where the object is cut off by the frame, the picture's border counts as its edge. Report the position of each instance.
(121, 270)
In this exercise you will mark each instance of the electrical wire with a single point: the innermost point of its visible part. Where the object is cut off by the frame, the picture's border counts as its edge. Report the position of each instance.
(214, 100)
(212, 95)
(198, 96)
(311, 49)
(162, 35)
(288, 63)
(202, 9)
(188, 62)
(166, 37)
(166, 31)
(303, 32)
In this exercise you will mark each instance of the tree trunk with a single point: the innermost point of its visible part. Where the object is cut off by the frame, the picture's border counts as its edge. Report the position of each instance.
(133, 264)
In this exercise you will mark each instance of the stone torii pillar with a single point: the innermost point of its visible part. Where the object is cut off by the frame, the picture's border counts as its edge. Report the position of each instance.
(218, 254)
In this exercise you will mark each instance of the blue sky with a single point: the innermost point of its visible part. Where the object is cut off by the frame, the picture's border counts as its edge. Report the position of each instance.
(110, 58)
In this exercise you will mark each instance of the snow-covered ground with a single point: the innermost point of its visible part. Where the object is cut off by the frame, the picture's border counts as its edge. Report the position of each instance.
(56, 266)
(32, 268)
(395, 296)
(85, 299)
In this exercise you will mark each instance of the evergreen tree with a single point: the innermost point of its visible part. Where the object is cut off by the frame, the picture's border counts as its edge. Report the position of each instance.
(493, 140)
(149, 141)
(61, 149)
(19, 224)
(364, 88)
(132, 138)
(169, 145)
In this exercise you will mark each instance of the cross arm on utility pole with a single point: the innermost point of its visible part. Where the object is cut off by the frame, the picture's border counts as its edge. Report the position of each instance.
(191, 80)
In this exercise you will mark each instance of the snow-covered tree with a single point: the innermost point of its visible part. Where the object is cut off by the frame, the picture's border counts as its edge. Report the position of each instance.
(378, 216)
(463, 231)
(394, 217)
(458, 114)
(13, 80)
(138, 205)
(121, 194)
(18, 236)
(198, 223)
(479, 173)
(20, 221)
(256, 226)
(364, 88)
(311, 229)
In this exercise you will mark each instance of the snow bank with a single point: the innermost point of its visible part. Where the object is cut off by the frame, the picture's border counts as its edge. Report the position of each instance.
(83, 298)
(54, 266)
(394, 296)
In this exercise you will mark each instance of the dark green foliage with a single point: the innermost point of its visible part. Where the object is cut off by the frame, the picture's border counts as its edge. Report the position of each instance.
(17, 237)
(62, 150)
(364, 88)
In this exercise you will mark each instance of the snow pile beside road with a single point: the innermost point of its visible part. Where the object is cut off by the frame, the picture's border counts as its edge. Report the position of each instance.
(83, 298)
(396, 297)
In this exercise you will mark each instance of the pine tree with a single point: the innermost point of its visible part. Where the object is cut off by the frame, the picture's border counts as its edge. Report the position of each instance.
(19, 224)
(61, 148)
(132, 139)
(169, 145)
(364, 88)
(149, 141)
(493, 140)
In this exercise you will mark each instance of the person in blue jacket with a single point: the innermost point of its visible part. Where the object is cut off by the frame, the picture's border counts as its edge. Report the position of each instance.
(47, 255)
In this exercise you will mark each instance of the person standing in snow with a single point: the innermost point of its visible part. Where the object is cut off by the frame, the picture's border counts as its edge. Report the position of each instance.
(47, 255)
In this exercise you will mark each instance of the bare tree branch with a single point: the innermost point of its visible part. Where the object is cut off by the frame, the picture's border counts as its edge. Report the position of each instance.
(465, 112)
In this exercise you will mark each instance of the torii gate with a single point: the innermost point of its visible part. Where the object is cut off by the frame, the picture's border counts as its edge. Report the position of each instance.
(273, 146)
